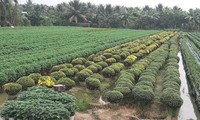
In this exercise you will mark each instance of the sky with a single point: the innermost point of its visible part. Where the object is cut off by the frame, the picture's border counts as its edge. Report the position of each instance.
(184, 4)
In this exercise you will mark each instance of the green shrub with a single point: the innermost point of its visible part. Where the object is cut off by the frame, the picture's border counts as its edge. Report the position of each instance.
(110, 61)
(92, 83)
(82, 75)
(143, 93)
(117, 57)
(135, 71)
(93, 68)
(171, 84)
(12, 88)
(67, 82)
(130, 60)
(45, 104)
(78, 61)
(147, 83)
(123, 55)
(123, 80)
(80, 67)
(102, 64)
(25, 82)
(88, 70)
(128, 75)
(57, 75)
(125, 84)
(91, 57)
(99, 67)
(58, 67)
(108, 72)
(75, 70)
(149, 78)
(171, 99)
(107, 55)
(172, 78)
(88, 63)
(113, 96)
(126, 91)
(97, 59)
(97, 76)
(50, 110)
(35, 77)
(69, 72)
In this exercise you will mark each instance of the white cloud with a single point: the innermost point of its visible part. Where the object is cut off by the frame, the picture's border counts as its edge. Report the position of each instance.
(184, 4)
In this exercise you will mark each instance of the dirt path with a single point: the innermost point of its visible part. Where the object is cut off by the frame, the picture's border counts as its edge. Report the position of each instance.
(114, 113)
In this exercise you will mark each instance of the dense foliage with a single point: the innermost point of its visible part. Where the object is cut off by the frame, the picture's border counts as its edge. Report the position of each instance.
(39, 103)
(29, 50)
(76, 12)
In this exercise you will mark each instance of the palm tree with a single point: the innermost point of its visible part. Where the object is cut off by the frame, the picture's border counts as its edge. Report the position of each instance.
(8, 11)
(76, 11)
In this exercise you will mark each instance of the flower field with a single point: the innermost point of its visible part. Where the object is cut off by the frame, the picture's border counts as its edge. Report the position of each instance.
(27, 50)
(124, 67)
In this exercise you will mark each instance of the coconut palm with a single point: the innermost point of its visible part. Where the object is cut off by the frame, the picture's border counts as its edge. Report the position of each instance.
(76, 11)
(8, 11)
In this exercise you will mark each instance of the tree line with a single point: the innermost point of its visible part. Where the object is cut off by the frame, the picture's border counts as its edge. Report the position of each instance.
(87, 14)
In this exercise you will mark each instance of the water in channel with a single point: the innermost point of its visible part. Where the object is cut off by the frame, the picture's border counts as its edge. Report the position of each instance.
(187, 110)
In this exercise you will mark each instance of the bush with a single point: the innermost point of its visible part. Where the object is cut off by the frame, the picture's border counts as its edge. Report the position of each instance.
(44, 103)
(12, 88)
(91, 57)
(93, 68)
(171, 99)
(127, 75)
(97, 76)
(92, 83)
(25, 82)
(143, 93)
(147, 83)
(123, 55)
(88, 63)
(67, 82)
(130, 60)
(69, 72)
(107, 55)
(126, 91)
(135, 71)
(117, 57)
(99, 67)
(46, 81)
(50, 110)
(108, 72)
(75, 70)
(171, 84)
(82, 75)
(102, 64)
(149, 78)
(57, 75)
(58, 67)
(97, 59)
(78, 61)
(113, 96)
(80, 67)
(35, 77)
(125, 84)
(88, 70)
(110, 60)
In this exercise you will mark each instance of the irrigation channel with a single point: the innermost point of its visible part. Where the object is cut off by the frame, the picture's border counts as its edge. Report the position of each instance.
(187, 110)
